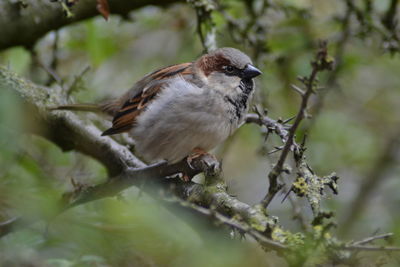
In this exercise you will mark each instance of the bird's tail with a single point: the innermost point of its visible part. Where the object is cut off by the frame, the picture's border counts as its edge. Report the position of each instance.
(79, 107)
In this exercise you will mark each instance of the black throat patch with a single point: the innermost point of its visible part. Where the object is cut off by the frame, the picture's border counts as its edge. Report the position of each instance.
(239, 102)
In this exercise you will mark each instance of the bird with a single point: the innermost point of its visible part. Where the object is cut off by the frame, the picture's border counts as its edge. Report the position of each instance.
(185, 109)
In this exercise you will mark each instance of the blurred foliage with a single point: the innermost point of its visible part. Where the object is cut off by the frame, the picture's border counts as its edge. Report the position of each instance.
(359, 114)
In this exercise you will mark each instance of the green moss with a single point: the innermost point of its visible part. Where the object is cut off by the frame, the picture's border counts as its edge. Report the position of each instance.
(255, 224)
(300, 186)
(286, 237)
(27, 91)
(216, 188)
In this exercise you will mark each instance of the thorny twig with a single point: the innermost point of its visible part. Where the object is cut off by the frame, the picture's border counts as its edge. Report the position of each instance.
(309, 184)
(321, 62)
(279, 128)
(271, 125)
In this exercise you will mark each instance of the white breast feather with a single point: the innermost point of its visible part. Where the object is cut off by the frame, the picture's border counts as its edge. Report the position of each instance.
(182, 117)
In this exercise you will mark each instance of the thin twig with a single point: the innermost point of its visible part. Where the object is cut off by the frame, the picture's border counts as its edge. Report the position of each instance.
(78, 78)
(331, 82)
(371, 248)
(242, 227)
(321, 63)
(51, 72)
(372, 238)
(270, 124)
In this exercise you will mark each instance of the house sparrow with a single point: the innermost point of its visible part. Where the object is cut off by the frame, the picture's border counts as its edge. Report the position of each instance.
(186, 108)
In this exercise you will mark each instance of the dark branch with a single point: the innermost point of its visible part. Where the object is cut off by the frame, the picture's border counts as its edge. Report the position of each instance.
(321, 62)
(25, 24)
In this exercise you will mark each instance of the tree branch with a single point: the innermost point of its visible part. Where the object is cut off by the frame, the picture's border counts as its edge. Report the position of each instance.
(321, 63)
(23, 24)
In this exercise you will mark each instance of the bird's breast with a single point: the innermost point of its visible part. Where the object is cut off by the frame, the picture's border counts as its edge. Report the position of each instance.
(179, 120)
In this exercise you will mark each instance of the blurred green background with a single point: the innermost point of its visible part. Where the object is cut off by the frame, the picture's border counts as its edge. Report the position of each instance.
(358, 120)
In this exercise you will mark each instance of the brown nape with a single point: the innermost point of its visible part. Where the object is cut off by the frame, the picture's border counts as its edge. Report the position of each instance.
(212, 63)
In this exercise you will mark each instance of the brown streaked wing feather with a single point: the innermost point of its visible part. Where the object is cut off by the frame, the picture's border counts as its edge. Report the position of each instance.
(110, 107)
(151, 85)
(169, 71)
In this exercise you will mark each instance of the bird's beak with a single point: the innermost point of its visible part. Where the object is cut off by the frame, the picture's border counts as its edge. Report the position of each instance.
(250, 72)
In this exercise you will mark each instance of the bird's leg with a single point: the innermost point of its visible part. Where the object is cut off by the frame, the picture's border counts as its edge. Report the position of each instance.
(186, 177)
(197, 153)
(207, 160)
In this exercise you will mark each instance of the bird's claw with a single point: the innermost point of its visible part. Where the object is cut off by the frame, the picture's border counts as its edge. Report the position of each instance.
(202, 161)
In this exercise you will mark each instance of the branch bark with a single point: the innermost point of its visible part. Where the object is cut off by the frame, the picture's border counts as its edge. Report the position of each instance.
(24, 22)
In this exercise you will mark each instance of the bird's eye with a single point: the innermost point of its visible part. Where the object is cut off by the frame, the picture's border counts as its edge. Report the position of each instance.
(229, 68)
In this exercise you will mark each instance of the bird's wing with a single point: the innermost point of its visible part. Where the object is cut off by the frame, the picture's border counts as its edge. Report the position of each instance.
(143, 92)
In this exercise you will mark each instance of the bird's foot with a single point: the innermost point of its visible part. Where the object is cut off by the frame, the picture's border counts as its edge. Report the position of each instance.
(196, 154)
(203, 161)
